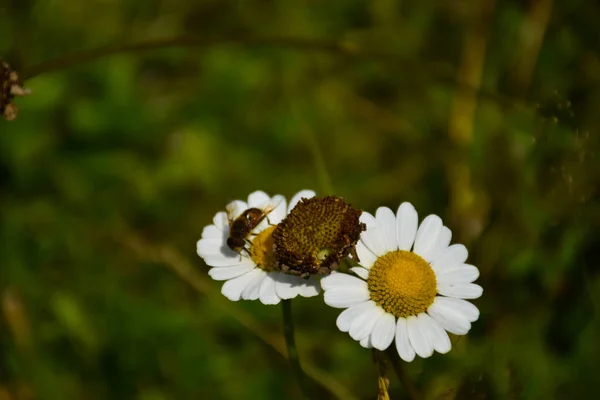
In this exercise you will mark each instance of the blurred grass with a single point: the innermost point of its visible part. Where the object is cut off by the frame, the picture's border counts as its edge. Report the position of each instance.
(482, 112)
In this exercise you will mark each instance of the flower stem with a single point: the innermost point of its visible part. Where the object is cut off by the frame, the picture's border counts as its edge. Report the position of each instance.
(288, 332)
(405, 380)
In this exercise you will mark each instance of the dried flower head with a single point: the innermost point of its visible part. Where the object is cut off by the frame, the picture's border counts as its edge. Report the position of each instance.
(10, 86)
(316, 235)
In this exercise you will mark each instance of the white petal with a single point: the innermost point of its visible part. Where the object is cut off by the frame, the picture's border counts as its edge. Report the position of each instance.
(450, 319)
(435, 334)
(343, 298)
(345, 319)
(451, 257)
(405, 350)
(463, 307)
(383, 331)
(427, 236)
(407, 222)
(226, 273)
(301, 194)
(443, 241)
(221, 221)
(286, 286)
(212, 232)
(279, 213)
(373, 236)
(267, 293)
(367, 257)
(258, 199)
(386, 220)
(361, 272)
(366, 342)
(362, 325)
(460, 290)
(464, 273)
(252, 290)
(233, 288)
(222, 260)
(310, 287)
(340, 280)
(418, 340)
(209, 247)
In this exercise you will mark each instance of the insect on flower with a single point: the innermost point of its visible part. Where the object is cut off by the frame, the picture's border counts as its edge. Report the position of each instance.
(241, 227)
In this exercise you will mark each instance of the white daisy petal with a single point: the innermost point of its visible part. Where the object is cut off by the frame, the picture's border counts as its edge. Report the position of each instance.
(443, 241)
(435, 334)
(209, 247)
(286, 286)
(464, 273)
(310, 287)
(383, 331)
(386, 220)
(362, 326)
(221, 260)
(427, 236)
(373, 236)
(366, 342)
(460, 290)
(463, 307)
(450, 319)
(258, 199)
(301, 194)
(252, 290)
(221, 221)
(212, 232)
(405, 350)
(343, 298)
(339, 280)
(233, 288)
(416, 335)
(407, 222)
(345, 319)
(361, 272)
(279, 213)
(226, 273)
(367, 257)
(451, 257)
(267, 293)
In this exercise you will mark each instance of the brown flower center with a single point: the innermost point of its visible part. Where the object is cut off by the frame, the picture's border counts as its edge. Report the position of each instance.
(316, 235)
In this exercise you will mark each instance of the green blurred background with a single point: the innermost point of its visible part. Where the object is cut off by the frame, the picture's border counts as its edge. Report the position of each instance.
(483, 112)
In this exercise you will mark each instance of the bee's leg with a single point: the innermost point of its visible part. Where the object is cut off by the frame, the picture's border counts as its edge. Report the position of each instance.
(247, 252)
(269, 221)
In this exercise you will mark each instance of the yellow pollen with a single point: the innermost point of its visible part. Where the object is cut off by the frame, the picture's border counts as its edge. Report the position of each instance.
(402, 283)
(261, 250)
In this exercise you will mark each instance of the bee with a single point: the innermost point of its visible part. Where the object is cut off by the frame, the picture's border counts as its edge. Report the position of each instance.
(241, 227)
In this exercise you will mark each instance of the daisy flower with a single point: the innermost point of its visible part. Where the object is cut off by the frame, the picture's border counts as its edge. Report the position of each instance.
(251, 273)
(410, 288)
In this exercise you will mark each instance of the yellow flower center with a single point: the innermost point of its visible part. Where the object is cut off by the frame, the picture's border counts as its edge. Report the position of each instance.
(261, 250)
(402, 283)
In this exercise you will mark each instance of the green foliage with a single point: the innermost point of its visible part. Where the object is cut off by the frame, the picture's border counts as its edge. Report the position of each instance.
(152, 144)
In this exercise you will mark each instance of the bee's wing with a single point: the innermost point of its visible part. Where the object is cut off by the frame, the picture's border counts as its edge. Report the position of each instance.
(231, 211)
(273, 203)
